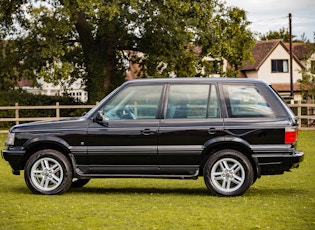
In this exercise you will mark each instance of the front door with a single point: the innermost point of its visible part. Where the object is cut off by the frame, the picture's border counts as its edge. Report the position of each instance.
(126, 142)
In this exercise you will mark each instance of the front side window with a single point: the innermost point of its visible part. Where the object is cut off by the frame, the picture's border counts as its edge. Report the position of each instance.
(245, 102)
(192, 102)
(279, 66)
(134, 102)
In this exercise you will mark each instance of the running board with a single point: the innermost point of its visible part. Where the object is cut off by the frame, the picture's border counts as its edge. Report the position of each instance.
(79, 174)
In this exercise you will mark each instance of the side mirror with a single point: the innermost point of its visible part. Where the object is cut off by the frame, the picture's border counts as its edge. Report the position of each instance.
(99, 118)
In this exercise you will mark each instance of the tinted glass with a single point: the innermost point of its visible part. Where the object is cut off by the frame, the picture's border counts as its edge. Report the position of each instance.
(134, 102)
(190, 101)
(246, 101)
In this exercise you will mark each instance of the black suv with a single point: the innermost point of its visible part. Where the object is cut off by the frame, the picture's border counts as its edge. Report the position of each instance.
(230, 131)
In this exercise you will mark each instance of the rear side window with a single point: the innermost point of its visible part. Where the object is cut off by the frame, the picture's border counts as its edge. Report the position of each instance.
(192, 102)
(246, 101)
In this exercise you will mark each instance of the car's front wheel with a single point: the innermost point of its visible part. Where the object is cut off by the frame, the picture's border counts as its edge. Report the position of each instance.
(48, 172)
(228, 173)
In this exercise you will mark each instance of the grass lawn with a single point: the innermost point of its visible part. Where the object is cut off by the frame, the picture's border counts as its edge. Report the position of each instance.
(273, 202)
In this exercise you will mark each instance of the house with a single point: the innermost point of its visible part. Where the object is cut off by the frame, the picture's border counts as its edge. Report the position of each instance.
(73, 90)
(306, 54)
(272, 64)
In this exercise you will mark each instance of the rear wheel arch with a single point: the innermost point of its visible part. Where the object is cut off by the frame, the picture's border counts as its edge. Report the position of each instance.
(244, 149)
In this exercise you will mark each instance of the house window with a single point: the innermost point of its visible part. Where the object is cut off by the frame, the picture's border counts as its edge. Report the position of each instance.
(279, 66)
(313, 67)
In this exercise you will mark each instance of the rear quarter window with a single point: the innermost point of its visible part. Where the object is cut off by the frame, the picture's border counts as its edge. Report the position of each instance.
(245, 101)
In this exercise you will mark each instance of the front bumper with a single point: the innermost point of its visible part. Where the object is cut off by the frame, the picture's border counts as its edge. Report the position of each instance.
(14, 157)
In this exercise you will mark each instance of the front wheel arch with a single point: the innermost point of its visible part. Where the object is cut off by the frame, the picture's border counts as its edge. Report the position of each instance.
(41, 145)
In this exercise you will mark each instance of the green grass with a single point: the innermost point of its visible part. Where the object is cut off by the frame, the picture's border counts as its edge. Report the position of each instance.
(273, 202)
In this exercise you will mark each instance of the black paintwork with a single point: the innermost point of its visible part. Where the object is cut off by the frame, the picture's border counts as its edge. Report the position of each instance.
(172, 148)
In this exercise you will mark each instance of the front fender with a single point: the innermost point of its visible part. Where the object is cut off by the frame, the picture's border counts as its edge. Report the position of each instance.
(46, 140)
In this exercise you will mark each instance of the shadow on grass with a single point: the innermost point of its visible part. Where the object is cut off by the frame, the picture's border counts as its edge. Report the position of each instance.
(253, 192)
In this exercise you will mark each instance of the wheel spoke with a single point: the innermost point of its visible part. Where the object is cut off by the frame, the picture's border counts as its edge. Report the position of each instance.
(46, 164)
(224, 165)
(55, 169)
(224, 183)
(55, 179)
(237, 179)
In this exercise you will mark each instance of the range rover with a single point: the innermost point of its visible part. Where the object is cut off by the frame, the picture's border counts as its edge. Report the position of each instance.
(228, 131)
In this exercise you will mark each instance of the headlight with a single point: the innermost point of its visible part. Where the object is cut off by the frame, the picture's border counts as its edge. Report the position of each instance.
(10, 139)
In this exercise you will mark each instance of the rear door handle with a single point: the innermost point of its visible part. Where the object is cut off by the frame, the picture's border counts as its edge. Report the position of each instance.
(212, 131)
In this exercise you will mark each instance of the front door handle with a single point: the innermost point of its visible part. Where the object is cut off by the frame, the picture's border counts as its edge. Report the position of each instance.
(147, 132)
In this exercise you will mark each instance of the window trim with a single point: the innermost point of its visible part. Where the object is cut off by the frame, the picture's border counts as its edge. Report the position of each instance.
(211, 86)
(277, 66)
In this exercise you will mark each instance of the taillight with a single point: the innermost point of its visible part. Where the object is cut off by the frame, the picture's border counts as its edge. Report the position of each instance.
(290, 135)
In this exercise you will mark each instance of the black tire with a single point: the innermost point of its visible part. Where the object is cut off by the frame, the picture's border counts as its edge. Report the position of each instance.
(48, 172)
(78, 183)
(228, 173)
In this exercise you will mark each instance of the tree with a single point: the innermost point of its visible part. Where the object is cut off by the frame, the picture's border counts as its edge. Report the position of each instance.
(307, 85)
(87, 39)
(282, 34)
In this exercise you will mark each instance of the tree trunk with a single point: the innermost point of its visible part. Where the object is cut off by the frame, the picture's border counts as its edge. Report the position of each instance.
(101, 62)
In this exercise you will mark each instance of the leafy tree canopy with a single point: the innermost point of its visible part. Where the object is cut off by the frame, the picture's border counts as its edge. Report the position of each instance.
(55, 39)
(282, 34)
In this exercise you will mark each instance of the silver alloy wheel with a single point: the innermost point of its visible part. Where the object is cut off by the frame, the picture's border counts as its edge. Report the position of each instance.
(228, 175)
(46, 174)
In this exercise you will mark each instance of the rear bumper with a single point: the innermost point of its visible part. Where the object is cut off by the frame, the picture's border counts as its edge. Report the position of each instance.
(14, 157)
(278, 163)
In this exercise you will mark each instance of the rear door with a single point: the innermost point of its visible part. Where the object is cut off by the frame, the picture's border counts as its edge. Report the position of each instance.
(192, 117)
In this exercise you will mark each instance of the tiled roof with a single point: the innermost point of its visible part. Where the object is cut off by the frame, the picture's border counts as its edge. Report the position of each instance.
(263, 49)
(286, 87)
(301, 50)
(260, 52)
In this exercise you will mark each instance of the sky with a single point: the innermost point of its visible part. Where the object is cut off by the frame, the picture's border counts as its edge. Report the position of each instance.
(267, 15)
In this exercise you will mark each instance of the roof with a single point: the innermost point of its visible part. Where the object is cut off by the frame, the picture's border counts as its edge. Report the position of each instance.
(190, 80)
(262, 50)
(283, 87)
(301, 50)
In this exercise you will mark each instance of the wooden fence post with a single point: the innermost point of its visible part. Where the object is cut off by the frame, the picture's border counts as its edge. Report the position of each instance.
(57, 110)
(299, 113)
(17, 113)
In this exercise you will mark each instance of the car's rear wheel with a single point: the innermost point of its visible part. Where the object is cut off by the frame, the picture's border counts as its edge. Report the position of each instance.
(48, 172)
(228, 173)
